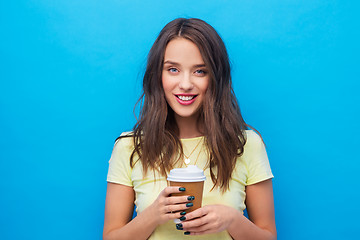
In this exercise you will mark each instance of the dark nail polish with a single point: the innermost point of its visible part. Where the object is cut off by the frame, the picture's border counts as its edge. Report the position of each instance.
(182, 189)
(190, 198)
(186, 233)
(182, 218)
(182, 213)
(179, 226)
(189, 204)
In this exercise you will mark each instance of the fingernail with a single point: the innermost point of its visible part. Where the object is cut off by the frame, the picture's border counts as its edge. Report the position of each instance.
(186, 233)
(190, 198)
(189, 204)
(182, 189)
(179, 226)
(182, 218)
(182, 213)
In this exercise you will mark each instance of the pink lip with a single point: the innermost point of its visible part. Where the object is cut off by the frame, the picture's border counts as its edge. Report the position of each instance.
(185, 102)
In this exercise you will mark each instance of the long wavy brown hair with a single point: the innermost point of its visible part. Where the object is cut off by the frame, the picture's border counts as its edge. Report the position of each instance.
(156, 135)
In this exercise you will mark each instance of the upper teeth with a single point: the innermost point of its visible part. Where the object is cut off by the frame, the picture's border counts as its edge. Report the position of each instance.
(186, 98)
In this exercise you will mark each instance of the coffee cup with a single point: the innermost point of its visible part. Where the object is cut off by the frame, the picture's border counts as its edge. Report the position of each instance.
(192, 179)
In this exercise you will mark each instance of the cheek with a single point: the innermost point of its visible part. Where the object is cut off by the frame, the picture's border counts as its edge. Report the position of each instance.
(167, 85)
(164, 83)
(205, 85)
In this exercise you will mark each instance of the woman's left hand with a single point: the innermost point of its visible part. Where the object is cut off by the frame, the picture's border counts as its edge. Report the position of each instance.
(208, 219)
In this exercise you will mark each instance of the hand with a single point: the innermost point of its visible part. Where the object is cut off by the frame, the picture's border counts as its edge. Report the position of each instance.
(167, 207)
(208, 219)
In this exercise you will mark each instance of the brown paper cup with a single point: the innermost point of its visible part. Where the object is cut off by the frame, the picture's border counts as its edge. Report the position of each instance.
(192, 179)
(191, 189)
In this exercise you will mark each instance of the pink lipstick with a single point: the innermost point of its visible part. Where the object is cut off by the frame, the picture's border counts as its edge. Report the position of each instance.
(185, 99)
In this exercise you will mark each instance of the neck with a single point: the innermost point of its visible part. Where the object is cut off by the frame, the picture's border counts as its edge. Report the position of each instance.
(188, 127)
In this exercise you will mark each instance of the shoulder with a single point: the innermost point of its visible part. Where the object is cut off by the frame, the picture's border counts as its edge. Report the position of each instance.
(119, 164)
(124, 142)
(255, 159)
(127, 134)
(254, 145)
(253, 139)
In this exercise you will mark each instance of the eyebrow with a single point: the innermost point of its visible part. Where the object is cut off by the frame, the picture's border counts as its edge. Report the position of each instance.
(177, 64)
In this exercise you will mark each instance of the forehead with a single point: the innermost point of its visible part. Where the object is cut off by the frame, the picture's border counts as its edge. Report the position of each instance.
(184, 52)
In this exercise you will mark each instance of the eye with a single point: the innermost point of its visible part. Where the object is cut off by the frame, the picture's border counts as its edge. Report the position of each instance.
(200, 72)
(173, 70)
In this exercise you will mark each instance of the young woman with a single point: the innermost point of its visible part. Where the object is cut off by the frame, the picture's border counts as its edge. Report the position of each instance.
(189, 116)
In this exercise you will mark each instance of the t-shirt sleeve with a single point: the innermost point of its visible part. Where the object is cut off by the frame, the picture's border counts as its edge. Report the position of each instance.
(256, 158)
(119, 164)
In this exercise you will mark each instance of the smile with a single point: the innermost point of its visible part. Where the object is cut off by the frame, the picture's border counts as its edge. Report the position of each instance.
(186, 99)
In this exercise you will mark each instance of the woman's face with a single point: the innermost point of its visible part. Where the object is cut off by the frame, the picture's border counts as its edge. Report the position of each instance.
(184, 77)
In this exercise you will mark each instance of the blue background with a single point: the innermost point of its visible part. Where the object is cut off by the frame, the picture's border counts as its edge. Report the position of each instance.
(70, 74)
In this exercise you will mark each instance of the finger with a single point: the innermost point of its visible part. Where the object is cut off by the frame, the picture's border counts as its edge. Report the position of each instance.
(169, 190)
(195, 223)
(208, 227)
(201, 232)
(200, 226)
(172, 216)
(177, 207)
(198, 213)
(179, 199)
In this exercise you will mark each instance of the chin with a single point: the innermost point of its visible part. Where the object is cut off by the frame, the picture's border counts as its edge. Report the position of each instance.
(186, 114)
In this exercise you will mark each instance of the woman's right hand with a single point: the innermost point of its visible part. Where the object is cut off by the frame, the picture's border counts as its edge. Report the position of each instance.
(167, 207)
(119, 209)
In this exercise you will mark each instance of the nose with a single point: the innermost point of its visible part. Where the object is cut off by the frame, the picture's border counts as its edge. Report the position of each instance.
(185, 82)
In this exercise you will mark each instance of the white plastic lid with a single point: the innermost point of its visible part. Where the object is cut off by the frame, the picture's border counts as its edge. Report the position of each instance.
(190, 174)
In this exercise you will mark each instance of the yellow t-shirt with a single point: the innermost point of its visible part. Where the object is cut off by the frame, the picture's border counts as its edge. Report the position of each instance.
(252, 167)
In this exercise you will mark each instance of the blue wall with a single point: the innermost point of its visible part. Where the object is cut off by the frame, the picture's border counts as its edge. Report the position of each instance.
(70, 74)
